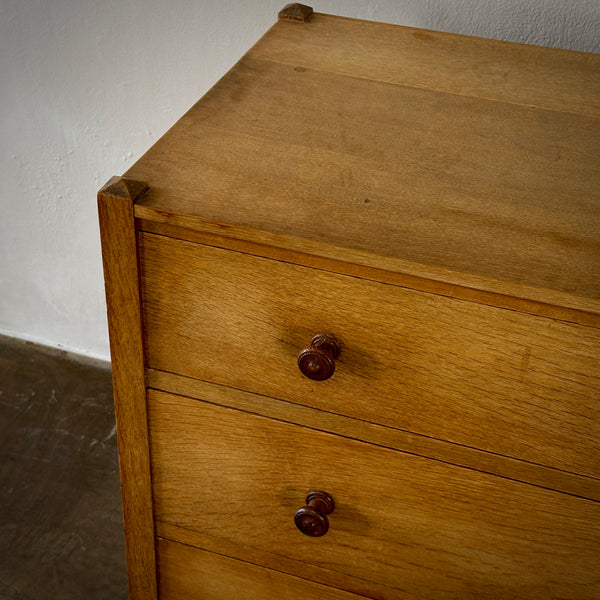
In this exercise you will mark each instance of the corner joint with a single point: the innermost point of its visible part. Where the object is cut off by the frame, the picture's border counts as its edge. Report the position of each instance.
(296, 12)
(124, 187)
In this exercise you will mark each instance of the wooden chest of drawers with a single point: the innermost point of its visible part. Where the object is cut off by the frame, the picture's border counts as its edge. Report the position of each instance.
(354, 307)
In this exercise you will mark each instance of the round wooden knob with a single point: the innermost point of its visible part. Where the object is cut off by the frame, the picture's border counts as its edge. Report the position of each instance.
(312, 519)
(318, 361)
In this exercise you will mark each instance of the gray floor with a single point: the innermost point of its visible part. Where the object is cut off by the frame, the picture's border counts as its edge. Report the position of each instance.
(60, 508)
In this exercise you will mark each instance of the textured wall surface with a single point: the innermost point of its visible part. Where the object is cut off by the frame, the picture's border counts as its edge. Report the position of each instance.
(86, 87)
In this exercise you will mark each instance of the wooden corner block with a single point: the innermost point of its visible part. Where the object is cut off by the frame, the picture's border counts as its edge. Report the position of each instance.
(124, 187)
(296, 12)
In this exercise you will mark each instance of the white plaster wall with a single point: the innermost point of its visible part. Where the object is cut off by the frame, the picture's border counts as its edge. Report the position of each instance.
(86, 86)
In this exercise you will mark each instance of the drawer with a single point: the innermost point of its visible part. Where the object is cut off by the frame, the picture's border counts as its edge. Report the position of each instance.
(402, 521)
(507, 382)
(186, 572)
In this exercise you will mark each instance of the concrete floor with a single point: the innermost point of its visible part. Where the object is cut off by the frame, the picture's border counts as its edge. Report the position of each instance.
(60, 508)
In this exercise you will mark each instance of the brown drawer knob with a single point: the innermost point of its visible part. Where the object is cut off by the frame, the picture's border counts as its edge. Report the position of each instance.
(318, 361)
(312, 519)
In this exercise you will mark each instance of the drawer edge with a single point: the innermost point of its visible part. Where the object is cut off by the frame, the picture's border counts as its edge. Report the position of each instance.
(395, 439)
(552, 304)
(352, 586)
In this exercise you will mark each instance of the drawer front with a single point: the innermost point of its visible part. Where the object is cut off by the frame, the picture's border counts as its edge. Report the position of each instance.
(187, 573)
(498, 380)
(405, 522)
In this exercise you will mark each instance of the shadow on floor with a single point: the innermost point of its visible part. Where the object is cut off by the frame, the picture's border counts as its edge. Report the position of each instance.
(60, 507)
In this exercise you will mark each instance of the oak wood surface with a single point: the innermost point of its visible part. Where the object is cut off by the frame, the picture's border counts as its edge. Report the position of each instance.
(281, 563)
(468, 187)
(513, 297)
(550, 78)
(395, 439)
(509, 383)
(426, 182)
(186, 572)
(119, 255)
(402, 521)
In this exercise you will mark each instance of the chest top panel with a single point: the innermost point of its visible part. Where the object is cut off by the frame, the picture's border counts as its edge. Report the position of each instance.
(457, 159)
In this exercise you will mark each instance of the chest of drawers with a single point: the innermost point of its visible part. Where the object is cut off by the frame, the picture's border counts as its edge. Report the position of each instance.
(354, 309)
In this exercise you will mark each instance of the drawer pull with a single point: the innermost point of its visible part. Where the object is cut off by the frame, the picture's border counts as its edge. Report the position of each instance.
(312, 519)
(318, 361)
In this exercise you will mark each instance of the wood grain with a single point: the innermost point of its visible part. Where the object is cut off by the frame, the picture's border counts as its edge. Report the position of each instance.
(387, 437)
(283, 564)
(186, 572)
(548, 78)
(405, 522)
(525, 299)
(119, 254)
(477, 192)
(432, 201)
(497, 380)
